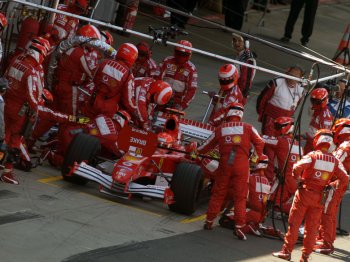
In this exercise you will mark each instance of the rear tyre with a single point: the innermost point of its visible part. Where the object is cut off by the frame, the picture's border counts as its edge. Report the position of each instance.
(186, 184)
(82, 148)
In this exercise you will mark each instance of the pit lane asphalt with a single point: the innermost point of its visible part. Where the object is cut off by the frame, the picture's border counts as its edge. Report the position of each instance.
(47, 219)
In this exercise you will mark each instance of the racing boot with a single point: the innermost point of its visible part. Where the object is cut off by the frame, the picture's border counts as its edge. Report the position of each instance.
(252, 229)
(304, 258)
(227, 222)
(283, 254)
(270, 231)
(239, 232)
(208, 225)
(324, 248)
(8, 176)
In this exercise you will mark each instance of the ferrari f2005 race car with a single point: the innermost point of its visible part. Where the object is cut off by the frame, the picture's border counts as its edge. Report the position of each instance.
(144, 169)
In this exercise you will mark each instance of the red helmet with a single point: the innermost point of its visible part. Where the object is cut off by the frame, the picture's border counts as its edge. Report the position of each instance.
(42, 41)
(3, 21)
(165, 140)
(235, 109)
(341, 130)
(38, 52)
(128, 53)
(228, 76)
(283, 125)
(122, 117)
(182, 54)
(323, 140)
(319, 98)
(89, 31)
(107, 37)
(144, 50)
(262, 163)
(161, 91)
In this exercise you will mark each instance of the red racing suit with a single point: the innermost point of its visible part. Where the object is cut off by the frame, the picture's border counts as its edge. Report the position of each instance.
(145, 108)
(259, 190)
(235, 140)
(316, 170)
(321, 119)
(182, 79)
(76, 68)
(113, 81)
(145, 68)
(328, 227)
(277, 99)
(64, 27)
(246, 74)
(26, 83)
(219, 111)
(277, 149)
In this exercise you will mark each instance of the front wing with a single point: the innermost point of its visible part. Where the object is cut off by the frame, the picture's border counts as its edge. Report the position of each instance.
(106, 181)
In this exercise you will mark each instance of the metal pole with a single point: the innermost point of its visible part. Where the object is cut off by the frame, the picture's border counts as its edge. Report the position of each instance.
(52, 17)
(209, 105)
(268, 43)
(175, 44)
(93, 10)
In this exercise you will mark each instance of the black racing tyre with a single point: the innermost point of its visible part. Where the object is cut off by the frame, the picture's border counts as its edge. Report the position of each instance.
(82, 148)
(186, 184)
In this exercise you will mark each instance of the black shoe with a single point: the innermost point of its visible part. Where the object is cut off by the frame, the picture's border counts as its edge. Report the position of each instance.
(225, 222)
(281, 2)
(304, 41)
(285, 39)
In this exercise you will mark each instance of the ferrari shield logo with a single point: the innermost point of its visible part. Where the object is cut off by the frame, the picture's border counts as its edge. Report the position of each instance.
(138, 151)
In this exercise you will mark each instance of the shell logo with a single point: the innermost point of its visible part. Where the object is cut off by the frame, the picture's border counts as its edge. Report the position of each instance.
(325, 176)
(93, 132)
(236, 139)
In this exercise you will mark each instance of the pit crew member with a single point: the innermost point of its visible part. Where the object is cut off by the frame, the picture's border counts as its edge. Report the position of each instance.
(76, 68)
(278, 149)
(314, 173)
(246, 74)
(149, 94)
(181, 74)
(235, 139)
(321, 118)
(114, 84)
(280, 97)
(65, 27)
(145, 66)
(259, 189)
(26, 82)
(229, 93)
(327, 229)
(3, 24)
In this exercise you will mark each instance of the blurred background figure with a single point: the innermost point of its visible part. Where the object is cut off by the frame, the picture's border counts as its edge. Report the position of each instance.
(308, 22)
(246, 74)
(145, 66)
(337, 99)
(234, 13)
(184, 6)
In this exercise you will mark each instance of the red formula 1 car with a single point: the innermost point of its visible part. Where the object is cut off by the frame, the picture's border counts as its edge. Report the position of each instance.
(144, 169)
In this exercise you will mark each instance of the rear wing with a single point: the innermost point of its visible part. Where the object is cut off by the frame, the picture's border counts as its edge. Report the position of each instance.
(190, 128)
